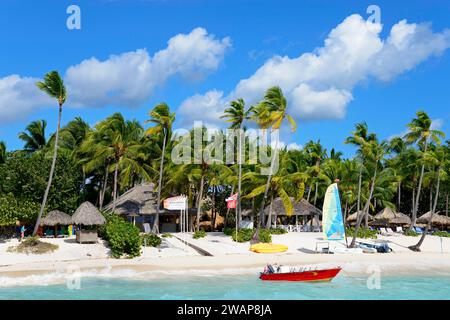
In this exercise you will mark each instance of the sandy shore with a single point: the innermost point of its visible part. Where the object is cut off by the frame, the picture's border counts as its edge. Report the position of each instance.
(175, 257)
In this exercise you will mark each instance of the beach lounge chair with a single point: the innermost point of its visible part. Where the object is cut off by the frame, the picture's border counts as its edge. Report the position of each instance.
(418, 230)
(391, 232)
(399, 230)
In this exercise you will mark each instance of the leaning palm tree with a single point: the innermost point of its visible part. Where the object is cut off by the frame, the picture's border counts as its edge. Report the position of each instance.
(34, 136)
(271, 112)
(52, 85)
(422, 133)
(236, 114)
(439, 160)
(163, 120)
(2, 152)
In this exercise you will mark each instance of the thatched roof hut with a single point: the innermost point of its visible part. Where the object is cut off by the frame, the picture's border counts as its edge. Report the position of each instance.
(437, 219)
(140, 199)
(56, 217)
(88, 215)
(387, 216)
(352, 218)
(301, 208)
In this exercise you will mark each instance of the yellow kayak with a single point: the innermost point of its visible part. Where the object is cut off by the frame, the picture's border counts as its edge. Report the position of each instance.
(268, 248)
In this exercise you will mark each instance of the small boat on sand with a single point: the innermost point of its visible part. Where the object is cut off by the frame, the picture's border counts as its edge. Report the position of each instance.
(305, 274)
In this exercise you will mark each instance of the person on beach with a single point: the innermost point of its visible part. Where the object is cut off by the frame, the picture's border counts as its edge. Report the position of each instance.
(22, 232)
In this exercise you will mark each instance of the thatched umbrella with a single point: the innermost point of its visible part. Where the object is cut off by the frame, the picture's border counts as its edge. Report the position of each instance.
(354, 216)
(88, 215)
(301, 208)
(437, 219)
(56, 217)
(387, 216)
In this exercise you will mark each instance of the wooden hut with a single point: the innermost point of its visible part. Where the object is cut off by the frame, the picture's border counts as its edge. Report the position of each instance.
(387, 217)
(54, 219)
(302, 208)
(437, 221)
(351, 219)
(87, 215)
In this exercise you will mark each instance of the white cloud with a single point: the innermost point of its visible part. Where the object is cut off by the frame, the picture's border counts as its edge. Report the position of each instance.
(319, 84)
(19, 97)
(294, 146)
(437, 124)
(206, 108)
(127, 79)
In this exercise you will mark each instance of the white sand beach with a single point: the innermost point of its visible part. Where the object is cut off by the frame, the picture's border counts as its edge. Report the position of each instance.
(174, 256)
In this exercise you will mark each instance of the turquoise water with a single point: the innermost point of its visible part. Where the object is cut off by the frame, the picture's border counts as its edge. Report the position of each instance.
(240, 287)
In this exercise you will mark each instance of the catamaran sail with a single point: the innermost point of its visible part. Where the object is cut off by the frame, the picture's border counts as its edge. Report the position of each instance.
(332, 221)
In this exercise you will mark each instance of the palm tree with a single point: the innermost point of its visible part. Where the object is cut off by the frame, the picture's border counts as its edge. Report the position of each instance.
(439, 159)
(421, 133)
(118, 143)
(52, 85)
(374, 151)
(271, 112)
(34, 136)
(2, 152)
(163, 120)
(236, 114)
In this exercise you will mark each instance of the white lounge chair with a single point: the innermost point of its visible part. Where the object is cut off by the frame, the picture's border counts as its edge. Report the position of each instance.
(147, 228)
(399, 230)
(391, 232)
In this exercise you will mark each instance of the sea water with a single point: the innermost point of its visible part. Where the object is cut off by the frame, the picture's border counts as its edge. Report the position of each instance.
(241, 287)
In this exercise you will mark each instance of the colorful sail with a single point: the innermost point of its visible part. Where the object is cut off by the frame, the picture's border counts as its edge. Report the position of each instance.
(332, 221)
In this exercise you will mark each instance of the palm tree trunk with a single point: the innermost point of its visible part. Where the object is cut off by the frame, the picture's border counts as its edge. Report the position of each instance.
(446, 204)
(116, 173)
(199, 202)
(416, 204)
(433, 209)
(266, 191)
(161, 168)
(213, 215)
(52, 170)
(399, 200)
(228, 210)
(269, 218)
(366, 207)
(238, 205)
(103, 191)
(358, 208)
(309, 193)
(315, 193)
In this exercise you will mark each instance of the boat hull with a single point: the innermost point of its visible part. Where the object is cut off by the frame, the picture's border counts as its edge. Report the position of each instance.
(306, 276)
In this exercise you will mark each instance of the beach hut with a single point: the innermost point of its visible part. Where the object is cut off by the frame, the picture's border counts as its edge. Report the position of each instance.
(301, 208)
(54, 219)
(351, 219)
(437, 221)
(87, 215)
(387, 217)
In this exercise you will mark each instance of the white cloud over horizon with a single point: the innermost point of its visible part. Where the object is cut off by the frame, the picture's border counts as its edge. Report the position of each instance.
(319, 84)
(128, 79)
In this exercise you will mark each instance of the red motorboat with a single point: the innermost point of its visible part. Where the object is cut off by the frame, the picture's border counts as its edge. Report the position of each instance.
(306, 274)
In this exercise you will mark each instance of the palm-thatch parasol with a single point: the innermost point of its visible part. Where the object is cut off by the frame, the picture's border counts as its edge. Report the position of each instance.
(437, 219)
(56, 217)
(301, 208)
(387, 216)
(352, 218)
(88, 215)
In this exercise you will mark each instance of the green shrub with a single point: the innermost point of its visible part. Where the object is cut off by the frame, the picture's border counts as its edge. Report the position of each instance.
(229, 231)
(199, 234)
(123, 237)
(33, 245)
(166, 235)
(441, 234)
(243, 235)
(265, 236)
(150, 240)
(411, 233)
(363, 233)
(277, 231)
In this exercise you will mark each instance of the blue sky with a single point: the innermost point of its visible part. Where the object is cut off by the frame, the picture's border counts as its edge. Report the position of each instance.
(237, 38)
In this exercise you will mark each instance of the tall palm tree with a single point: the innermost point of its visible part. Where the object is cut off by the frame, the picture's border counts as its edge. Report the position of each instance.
(117, 142)
(2, 152)
(271, 112)
(34, 136)
(421, 133)
(236, 114)
(162, 119)
(52, 85)
(438, 159)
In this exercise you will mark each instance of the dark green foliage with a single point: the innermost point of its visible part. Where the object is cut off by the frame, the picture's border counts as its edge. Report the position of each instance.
(199, 234)
(441, 234)
(123, 237)
(150, 240)
(166, 235)
(25, 177)
(265, 236)
(12, 209)
(277, 231)
(245, 235)
(33, 245)
(411, 233)
(228, 231)
(362, 233)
